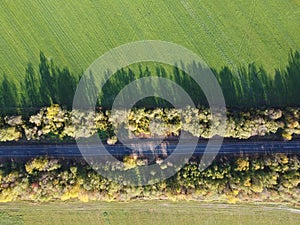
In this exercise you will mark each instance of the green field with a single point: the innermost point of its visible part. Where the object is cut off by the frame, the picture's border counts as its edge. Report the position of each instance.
(162, 212)
(75, 33)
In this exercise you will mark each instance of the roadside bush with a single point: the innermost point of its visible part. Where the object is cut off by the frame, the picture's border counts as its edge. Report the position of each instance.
(58, 124)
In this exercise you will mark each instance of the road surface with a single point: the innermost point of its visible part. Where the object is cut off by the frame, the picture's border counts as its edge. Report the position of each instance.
(71, 150)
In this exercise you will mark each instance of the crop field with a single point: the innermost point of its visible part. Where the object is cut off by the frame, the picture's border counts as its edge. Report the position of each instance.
(162, 212)
(75, 33)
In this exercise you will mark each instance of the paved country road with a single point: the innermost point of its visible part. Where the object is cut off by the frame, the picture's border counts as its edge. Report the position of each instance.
(71, 150)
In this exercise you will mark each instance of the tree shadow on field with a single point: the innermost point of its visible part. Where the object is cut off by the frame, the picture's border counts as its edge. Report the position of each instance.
(246, 87)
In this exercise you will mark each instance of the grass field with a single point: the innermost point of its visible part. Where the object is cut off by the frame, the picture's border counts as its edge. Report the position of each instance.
(75, 33)
(145, 213)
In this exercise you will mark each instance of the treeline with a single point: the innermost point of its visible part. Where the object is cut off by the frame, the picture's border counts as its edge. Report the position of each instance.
(230, 178)
(56, 124)
(246, 88)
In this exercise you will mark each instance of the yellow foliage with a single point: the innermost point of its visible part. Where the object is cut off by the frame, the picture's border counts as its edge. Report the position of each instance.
(41, 164)
(231, 199)
(130, 162)
(52, 111)
(242, 165)
(111, 141)
(37, 164)
(235, 192)
(295, 124)
(72, 193)
(258, 188)
(7, 195)
(83, 197)
(9, 134)
(256, 167)
(287, 136)
(284, 159)
(247, 183)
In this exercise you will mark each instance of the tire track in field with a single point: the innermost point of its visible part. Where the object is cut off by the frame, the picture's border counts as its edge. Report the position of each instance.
(113, 43)
(17, 42)
(190, 39)
(67, 32)
(70, 26)
(19, 28)
(276, 32)
(132, 22)
(191, 13)
(271, 30)
(117, 29)
(62, 38)
(147, 9)
(140, 19)
(227, 40)
(107, 43)
(207, 30)
(291, 8)
(250, 23)
(234, 67)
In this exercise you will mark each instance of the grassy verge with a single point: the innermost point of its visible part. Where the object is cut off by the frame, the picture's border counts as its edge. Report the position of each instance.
(150, 212)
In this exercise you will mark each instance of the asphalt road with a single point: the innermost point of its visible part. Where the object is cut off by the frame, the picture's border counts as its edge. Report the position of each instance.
(68, 150)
